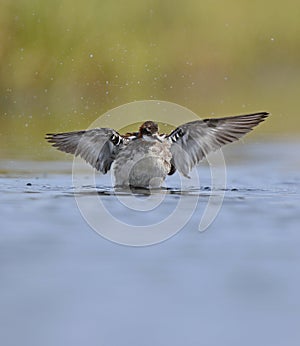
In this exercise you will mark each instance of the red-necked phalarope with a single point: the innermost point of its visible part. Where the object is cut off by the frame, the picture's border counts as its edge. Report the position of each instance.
(145, 158)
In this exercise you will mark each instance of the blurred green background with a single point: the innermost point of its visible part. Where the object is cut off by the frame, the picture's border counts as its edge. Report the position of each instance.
(63, 64)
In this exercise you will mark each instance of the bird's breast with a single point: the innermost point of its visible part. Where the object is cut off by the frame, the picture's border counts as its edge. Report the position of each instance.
(141, 161)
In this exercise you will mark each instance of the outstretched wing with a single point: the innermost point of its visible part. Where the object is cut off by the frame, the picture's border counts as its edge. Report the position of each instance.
(192, 141)
(98, 146)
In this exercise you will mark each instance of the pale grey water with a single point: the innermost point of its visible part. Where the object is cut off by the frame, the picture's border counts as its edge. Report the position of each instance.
(238, 283)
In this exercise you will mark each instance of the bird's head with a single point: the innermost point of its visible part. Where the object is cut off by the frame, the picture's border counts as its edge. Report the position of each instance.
(149, 128)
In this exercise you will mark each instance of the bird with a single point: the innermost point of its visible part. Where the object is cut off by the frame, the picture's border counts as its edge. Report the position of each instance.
(144, 158)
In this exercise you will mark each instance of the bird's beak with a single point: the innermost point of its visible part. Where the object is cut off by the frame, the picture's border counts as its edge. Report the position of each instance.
(157, 137)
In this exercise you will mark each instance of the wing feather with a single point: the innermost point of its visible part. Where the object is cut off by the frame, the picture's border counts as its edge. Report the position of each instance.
(192, 141)
(97, 146)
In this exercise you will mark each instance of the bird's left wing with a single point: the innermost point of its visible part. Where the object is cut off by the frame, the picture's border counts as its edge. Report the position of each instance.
(97, 146)
(192, 141)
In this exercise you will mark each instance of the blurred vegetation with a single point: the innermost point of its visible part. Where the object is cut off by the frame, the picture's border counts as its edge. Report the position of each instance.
(63, 64)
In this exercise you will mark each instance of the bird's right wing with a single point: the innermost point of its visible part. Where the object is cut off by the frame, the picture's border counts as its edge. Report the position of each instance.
(98, 146)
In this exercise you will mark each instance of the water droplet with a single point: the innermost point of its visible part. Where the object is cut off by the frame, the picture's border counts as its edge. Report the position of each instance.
(91, 55)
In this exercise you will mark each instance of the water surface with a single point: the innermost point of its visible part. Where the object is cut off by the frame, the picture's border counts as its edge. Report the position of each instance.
(236, 283)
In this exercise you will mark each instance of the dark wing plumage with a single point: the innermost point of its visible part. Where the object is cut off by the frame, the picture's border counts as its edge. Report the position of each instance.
(192, 141)
(98, 146)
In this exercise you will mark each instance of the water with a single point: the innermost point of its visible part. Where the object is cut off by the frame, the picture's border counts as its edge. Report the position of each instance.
(237, 283)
